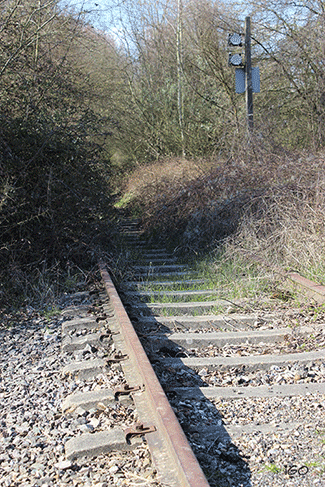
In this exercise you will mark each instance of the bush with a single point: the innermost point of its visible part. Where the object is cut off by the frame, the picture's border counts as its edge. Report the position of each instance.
(270, 204)
(54, 188)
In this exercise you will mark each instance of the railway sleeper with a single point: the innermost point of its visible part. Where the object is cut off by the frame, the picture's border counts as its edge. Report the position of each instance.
(251, 362)
(233, 322)
(190, 308)
(94, 444)
(196, 340)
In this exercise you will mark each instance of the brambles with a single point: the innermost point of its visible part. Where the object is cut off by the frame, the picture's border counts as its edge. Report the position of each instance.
(79, 110)
(273, 207)
(53, 174)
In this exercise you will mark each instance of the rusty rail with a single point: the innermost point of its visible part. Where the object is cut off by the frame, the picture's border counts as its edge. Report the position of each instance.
(171, 452)
(311, 289)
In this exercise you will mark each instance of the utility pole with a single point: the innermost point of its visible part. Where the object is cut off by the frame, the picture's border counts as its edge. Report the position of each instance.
(179, 52)
(247, 78)
(248, 75)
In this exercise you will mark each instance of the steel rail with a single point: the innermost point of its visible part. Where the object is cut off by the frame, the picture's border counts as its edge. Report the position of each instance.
(171, 452)
(310, 288)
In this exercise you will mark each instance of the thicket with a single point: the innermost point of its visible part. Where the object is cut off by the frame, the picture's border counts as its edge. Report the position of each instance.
(177, 93)
(146, 108)
(54, 173)
(271, 206)
(263, 193)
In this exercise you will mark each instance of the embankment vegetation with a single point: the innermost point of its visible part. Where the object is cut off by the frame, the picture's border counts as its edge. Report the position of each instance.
(54, 186)
(143, 115)
(208, 185)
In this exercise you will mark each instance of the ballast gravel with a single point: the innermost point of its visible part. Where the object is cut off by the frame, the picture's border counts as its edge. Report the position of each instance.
(33, 429)
(287, 446)
(253, 441)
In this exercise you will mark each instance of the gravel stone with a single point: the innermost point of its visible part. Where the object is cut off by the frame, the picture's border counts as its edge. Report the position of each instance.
(248, 441)
(33, 429)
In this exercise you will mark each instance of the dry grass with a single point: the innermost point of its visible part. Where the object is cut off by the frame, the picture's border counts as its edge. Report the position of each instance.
(265, 203)
(153, 180)
(288, 228)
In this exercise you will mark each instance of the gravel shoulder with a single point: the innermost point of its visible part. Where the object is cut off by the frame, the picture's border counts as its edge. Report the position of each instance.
(33, 429)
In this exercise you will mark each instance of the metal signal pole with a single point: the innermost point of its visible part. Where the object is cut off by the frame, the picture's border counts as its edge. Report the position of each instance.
(248, 74)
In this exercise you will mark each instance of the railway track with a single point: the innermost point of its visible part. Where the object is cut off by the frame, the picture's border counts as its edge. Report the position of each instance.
(245, 383)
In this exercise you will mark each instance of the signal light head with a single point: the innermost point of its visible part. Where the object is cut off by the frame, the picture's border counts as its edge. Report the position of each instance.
(235, 60)
(234, 40)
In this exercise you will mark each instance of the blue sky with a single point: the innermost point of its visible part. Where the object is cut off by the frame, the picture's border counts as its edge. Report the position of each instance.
(108, 12)
(109, 15)
(102, 14)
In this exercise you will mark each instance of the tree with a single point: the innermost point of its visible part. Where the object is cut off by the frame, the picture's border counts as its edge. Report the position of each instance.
(180, 90)
(54, 187)
(290, 45)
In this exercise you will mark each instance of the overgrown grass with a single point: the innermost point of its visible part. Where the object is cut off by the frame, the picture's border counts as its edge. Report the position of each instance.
(269, 204)
(44, 285)
(272, 468)
(223, 276)
(198, 298)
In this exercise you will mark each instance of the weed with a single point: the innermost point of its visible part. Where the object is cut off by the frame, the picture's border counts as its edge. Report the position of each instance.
(316, 312)
(239, 207)
(320, 432)
(70, 282)
(124, 201)
(50, 312)
(313, 464)
(183, 298)
(272, 468)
